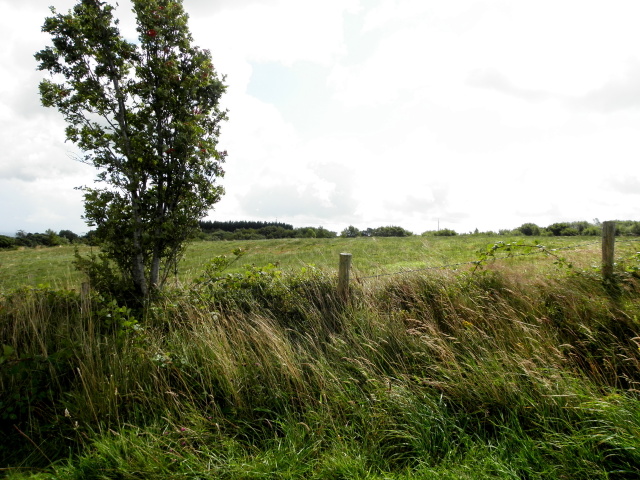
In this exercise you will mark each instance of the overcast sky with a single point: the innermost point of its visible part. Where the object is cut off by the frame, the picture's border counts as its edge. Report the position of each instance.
(464, 114)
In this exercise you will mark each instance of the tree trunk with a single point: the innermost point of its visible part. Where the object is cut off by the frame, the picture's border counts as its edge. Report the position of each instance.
(137, 268)
(155, 271)
(139, 278)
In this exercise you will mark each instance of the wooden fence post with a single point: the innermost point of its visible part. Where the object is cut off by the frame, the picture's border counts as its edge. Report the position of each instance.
(608, 246)
(343, 275)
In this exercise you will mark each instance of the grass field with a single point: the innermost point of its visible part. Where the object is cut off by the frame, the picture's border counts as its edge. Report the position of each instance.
(524, 369)
(371, 256)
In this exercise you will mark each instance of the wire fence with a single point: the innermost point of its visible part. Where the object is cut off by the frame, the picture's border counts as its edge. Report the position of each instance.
(538, 250)
(454, 266)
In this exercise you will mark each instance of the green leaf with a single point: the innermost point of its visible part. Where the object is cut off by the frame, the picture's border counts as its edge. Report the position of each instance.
(7, 351)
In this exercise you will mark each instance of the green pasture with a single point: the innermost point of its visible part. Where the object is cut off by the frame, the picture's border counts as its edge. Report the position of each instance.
(371, 256)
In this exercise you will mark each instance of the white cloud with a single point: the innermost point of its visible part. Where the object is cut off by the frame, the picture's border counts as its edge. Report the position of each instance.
(473, 113)
(284, 31)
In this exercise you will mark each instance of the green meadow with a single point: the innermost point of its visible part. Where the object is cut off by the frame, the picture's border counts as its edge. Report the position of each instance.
(524, 366)
(371, 256)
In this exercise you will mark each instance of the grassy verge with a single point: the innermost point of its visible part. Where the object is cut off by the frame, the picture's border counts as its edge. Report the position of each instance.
(264, 374)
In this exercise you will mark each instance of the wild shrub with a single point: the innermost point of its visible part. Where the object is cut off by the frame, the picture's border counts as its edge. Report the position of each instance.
(306, 299)
(529, 229)
(7, 242)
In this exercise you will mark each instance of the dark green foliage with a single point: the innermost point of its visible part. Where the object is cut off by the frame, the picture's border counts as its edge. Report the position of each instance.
(557, 228)
(105, 279)
(307, 232)
(209, 226)
(350, 232)
(90, 238)
(47, 239)
(445, 232)
(53, 239)
(627, 227)
(69, 235)
(623, 227)
(580, 227)
(276, 232)
(573, 228)
(244, 230)
(44, 337)
(36, 365)
(391, 231)
(7, 242)
(321, 232)
(592, 231)
(529, 229)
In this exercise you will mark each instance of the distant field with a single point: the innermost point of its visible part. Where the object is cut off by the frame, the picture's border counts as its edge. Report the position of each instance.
(371, 256)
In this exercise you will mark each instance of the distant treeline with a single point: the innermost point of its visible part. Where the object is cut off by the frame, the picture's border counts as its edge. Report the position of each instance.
(244, 230)
(391, 231)
(208, 226)
(252, 230)
(568, 229)
(46, 239)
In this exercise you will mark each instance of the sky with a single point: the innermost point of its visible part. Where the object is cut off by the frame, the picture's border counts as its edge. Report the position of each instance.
(424, 114)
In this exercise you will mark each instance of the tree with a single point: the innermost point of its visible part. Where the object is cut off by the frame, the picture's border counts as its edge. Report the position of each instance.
(7, 242)
(69, 235)
(529, 229)
(52, 239)
(445, 232)
(350, 232)
(147, 116)
(391, 231)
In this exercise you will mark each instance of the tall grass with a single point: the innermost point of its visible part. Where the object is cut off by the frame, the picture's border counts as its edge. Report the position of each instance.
(263, 374)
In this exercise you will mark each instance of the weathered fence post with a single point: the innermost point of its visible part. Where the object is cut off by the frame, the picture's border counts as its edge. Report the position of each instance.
(343, 275)
(608, 245)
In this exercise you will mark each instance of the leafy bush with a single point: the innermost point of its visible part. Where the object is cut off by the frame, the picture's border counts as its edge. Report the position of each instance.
(7, 242)
(47, 239)
(292, 299)
(445, 232)
(529, 229)
(350, 232)
(391, 231)
(569, 232)
(246, 230)
(69, 235)
(106, 280)
(592, 231)
(557, 228)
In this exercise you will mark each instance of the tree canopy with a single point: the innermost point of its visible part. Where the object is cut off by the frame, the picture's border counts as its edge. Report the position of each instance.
(146, 114)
